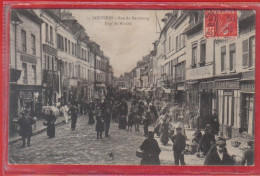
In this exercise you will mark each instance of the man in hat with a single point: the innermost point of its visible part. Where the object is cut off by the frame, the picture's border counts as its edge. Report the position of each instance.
(214, 123)
(206, 140)
(25, 123)
(249, 155)
(218, 154)
(179, 144)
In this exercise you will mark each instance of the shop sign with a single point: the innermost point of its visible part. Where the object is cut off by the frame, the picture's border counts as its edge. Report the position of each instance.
(199, 73)
(206, 85)
(248, 87)
(227, 85)
(49, 50)
(29, 59)
(180, 86)
(248, 75)
(70, 83)
(26, 95)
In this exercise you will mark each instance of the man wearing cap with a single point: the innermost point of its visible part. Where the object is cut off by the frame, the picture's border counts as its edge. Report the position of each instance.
(206, 140)
(25, 123)
(218, 154)
(249, 155)
(179, 144)
(214, 123)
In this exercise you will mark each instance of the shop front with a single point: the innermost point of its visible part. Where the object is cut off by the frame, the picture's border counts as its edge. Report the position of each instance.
(180, 94)
(70, 90)
(228, 106)
(247, 90)
(29, 97)
(206, 100)
(13, 97)
(50, 87)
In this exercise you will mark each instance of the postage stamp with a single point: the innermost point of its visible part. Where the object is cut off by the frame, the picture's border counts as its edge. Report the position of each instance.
(221, 24)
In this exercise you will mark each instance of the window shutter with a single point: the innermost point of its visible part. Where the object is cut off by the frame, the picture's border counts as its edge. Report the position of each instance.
(245, 49)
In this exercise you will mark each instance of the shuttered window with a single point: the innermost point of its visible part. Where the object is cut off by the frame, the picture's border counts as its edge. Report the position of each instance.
(245, 52)
(223, 58)
(232, 56)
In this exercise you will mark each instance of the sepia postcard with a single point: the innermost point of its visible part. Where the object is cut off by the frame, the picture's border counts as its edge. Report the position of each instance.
(131, 87)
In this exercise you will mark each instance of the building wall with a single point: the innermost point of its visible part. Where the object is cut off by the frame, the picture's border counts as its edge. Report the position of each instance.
(238, 63)
(31, 28)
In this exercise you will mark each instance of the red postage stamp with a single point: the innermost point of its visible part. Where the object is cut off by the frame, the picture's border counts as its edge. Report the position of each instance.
(221, 24)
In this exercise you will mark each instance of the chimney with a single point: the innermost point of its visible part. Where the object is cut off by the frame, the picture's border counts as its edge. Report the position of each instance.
(164, 20)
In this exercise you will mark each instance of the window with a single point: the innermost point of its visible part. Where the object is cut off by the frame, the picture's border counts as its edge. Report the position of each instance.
(88, 55)
(25, 75)
(194, 55)
(44, 61)
(82, 53)
(196, 17)
(180, 42)
(223, 59)
(183, 41)
(169, 43)
(251, 51)
(69, 46)
(232, 56)
(248, 50)
(52, 65)
(47, 62)
(23, 37)
(177, 43)
(46, 32)
(72, 48)
(202, 54)
(65, 45)
(60, 42)
(34, 74)
(33, 44)
(245, 53)
(51, 34)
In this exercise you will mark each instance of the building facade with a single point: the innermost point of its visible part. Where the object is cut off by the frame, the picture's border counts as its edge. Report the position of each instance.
(25, 63)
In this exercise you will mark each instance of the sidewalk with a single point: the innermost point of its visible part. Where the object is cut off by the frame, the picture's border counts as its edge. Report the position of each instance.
(38, 128)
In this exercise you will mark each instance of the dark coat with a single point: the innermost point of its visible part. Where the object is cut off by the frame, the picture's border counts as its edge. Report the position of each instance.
(152, 151)
(164, 130)
(212, 158)
(50, 125)
(248, 157)
(197, 136)
(214, 124)
(123, 109)
(179, 143)
(206, 141)
(100, 125)
(26, 126)
(73, 111)
(131, 118)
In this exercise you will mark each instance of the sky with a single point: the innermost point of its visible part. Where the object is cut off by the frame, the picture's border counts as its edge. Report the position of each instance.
(125, 36)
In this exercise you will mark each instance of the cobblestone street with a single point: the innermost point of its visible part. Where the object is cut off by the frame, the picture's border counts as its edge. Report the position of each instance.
(82, 147)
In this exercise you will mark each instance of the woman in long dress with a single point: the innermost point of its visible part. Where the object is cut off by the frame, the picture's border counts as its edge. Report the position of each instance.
(151, 149)
(50, 124)
(65, 110)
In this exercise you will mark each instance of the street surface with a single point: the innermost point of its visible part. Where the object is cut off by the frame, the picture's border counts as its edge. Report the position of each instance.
(82, 147)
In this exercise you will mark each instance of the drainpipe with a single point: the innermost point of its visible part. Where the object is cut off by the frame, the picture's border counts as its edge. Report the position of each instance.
(15, 54)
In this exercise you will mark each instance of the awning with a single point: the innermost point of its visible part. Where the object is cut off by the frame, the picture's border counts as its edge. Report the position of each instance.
(166, 90)
(142, 89)
(148, 89)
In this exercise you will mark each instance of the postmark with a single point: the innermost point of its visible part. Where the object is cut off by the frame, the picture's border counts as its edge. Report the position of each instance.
(221, 24)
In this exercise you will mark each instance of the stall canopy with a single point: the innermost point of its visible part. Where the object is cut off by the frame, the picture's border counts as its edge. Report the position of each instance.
(142, 89)
(166, 90)
(148, 89)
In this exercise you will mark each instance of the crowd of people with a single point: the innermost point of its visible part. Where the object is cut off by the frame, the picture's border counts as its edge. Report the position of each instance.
(145, 111)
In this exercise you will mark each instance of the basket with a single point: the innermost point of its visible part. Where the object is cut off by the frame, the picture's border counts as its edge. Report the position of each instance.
(140, 153)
